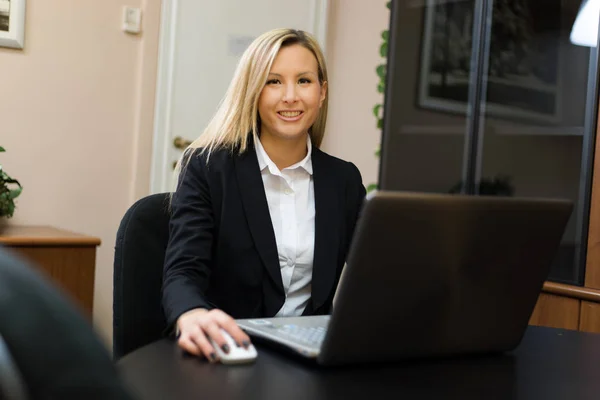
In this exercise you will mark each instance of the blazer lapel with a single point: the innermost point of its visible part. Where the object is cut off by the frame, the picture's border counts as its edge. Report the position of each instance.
(327, 229)
(256, 208)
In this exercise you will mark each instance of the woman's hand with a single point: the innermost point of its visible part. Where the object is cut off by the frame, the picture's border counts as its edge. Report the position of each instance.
(197, 325)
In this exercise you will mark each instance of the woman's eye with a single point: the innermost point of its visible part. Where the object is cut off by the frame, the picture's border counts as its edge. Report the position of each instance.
(273, 81)
(304, 80)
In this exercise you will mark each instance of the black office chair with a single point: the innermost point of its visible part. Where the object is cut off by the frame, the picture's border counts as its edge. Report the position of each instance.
(142, 238)
(55, 349)
(12, 386)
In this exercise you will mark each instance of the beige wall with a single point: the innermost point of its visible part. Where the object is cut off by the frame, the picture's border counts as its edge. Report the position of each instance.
(76, 110)
(354, 37)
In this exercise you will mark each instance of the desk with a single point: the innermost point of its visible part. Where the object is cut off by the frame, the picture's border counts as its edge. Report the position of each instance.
(549, 364)
(68, 258)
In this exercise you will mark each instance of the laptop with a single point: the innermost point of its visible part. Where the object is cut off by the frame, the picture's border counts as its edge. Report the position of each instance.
(431, 275)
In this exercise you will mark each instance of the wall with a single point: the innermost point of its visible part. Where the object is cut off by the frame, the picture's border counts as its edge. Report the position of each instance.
(354, 38)
(76, 119)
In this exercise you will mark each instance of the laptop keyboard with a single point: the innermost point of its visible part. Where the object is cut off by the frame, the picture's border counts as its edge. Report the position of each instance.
(310, 336)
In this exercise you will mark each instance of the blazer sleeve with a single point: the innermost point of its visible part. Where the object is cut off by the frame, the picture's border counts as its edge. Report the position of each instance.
(188, 258)
(356, 196)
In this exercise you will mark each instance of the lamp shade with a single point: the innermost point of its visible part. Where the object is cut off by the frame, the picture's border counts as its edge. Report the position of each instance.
(585, 28)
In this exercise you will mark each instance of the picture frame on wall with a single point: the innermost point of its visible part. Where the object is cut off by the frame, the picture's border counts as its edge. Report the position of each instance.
(524, 62)
(12, 23)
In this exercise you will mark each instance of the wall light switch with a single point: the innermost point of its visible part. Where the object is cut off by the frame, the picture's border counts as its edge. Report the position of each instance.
(132, 19)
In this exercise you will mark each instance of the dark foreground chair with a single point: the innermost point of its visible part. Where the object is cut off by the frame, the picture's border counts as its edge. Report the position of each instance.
(54, 350)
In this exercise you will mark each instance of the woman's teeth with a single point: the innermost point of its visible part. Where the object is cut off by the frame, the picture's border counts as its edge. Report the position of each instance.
(290, 114)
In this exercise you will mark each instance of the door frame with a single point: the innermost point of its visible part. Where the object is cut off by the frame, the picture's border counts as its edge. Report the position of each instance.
(161, 170)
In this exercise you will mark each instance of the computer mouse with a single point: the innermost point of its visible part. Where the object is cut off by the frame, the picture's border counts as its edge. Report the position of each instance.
(237, 354)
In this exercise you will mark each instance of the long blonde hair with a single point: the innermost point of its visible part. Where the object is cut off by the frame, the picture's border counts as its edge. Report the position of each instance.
(237, 115)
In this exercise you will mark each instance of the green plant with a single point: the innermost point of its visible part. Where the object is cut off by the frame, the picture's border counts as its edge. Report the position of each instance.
(381, 72)
(10, 189)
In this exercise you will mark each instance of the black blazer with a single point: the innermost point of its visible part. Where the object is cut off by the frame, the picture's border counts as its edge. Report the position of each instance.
(222, 251)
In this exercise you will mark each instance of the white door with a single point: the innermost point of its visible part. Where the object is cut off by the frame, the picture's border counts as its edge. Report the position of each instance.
(200, 44)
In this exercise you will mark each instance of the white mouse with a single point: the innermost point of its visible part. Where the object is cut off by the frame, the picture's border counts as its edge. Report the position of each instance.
(236, 355)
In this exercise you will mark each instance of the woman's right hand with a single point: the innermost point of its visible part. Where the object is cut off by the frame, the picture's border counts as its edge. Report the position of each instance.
(197, 325)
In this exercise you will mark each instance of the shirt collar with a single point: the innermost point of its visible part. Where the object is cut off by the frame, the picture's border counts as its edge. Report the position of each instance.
(265, 162)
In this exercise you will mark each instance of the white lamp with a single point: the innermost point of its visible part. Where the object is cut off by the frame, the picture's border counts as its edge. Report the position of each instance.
(585, 28)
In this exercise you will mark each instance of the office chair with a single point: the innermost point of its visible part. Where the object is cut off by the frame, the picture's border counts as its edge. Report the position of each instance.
(54, 348)
(141, 243)
(12, 386)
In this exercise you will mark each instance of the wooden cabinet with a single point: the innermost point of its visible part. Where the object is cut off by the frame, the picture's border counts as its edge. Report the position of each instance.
(568, 307)
(68, 258)
(589, 317)
(556, 312)
(575, 307)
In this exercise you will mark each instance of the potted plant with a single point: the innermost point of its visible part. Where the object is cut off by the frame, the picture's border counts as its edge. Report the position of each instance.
(10, 189)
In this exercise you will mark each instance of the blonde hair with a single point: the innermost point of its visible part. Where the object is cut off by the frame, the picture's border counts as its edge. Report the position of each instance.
(237, 115)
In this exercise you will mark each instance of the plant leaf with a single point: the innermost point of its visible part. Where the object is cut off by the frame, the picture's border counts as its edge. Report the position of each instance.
(383, 50)
(379, 123)
(381, 88)
(11, 209)
(8, 179)
(381, 70)
(2, 149)
(371, 187)
(376, 110)
(385, 35)
(15, 193)
(389, 4)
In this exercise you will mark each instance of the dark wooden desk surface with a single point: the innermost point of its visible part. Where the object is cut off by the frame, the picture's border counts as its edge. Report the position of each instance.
(549, 364)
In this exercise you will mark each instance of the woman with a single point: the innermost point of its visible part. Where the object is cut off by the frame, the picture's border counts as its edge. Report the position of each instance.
(261, 219)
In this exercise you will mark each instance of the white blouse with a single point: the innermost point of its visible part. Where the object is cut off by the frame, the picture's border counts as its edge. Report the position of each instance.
(291, 199)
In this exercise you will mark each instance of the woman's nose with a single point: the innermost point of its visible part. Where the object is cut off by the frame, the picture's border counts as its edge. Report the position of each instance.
(289, 94)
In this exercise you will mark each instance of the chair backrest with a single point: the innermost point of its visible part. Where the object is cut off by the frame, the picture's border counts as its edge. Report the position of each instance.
(57, 352)
(141, 243)
(12, 386)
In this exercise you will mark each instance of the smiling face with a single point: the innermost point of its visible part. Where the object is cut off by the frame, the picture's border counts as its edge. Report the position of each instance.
(290, 101)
